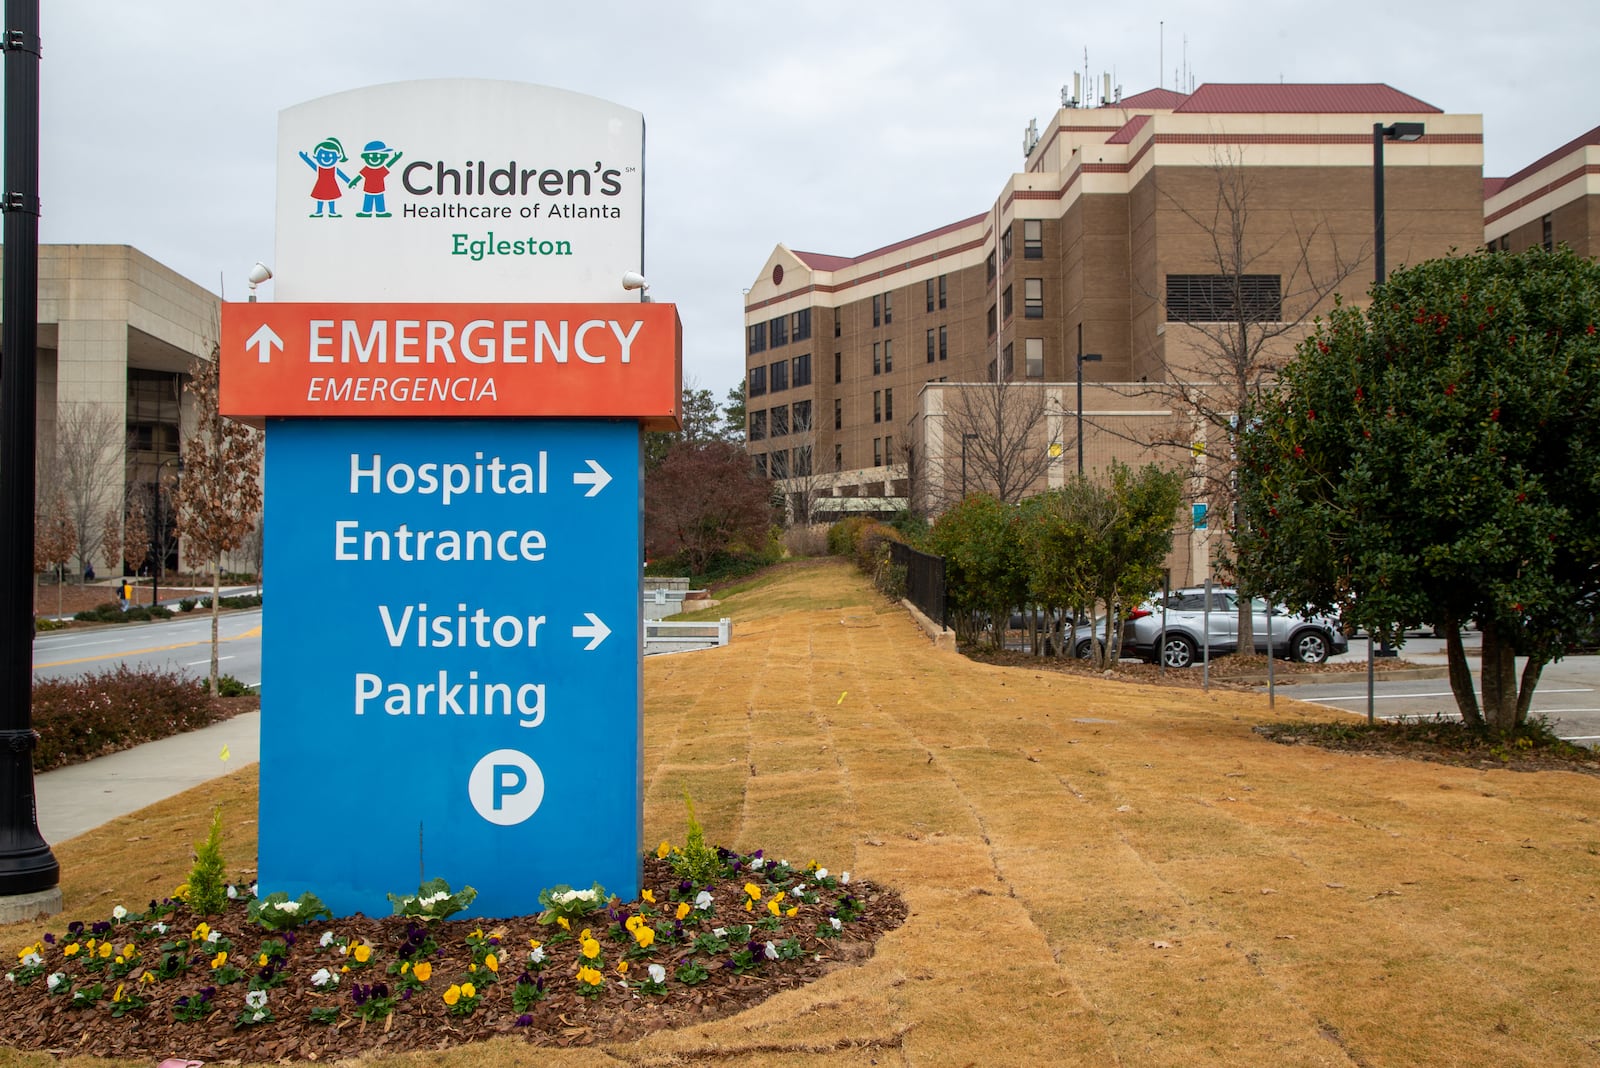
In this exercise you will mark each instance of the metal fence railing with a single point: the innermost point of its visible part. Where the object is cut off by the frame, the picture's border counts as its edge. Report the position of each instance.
(924, 580)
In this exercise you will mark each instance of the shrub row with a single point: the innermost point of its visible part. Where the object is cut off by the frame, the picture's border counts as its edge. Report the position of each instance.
(102, 712)
(111, 612)
(866, 542)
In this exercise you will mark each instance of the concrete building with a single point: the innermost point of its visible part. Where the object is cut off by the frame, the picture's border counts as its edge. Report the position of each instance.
(1554, 200)
(1132, 233)
(117, 336)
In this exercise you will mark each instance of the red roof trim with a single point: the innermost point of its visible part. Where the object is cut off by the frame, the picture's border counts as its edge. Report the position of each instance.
(1152, 98)
(1128, 132)
(823, 262)
(1328, 99)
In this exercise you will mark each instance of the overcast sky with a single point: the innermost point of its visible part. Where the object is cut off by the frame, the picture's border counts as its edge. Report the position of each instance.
(829, 127)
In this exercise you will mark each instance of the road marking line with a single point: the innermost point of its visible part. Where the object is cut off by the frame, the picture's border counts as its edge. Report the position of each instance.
(254, 632)
(1447, 693)
(206, 661)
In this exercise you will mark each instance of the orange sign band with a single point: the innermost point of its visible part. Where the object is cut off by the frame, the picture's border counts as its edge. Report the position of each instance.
(546, 360)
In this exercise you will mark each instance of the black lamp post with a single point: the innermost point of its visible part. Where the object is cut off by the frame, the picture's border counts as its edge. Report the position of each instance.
(964, 439)
(1083, 357)
(1399, 131)
(29, 873)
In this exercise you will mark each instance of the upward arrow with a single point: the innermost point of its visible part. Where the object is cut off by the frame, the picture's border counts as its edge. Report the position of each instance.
(263, 341)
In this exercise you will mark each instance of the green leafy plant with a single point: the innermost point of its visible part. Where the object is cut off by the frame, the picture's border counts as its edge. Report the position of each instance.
(277, 912)
(562, 902)
(208, 893)
(433, 900)
(696, 861)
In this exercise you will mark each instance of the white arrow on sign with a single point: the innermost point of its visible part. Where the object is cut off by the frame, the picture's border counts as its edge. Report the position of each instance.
(596, 631)
(263, 341)
(596, 477)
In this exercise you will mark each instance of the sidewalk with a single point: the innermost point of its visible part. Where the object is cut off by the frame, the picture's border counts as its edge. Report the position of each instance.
(79, 798)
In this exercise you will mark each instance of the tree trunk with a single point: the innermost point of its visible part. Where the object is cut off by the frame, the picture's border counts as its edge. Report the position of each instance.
(1530, 679)
(1499, 682)
(216, 591)
(1247, 627)
(1460, 674)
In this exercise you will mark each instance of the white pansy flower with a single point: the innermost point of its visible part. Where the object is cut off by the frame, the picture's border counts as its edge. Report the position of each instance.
(213, 936)
(252, 889)
(822, 873)
(255, 999)
(32, 960)
(719, 932)
(160, 928)
(326, 940)
(323, 977)
(771, 951)
(537, 955)
(119, 913)
(658, 974)
(702, 900)
(55, 980)
(233, 892)
(758, 863)
(834, 921)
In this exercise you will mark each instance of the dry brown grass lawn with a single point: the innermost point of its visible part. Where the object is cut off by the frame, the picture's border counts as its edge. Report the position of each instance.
(1098, 873)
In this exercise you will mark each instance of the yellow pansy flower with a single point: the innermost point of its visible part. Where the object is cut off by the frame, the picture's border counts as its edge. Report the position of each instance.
(663, 849)
(405, 966)
(590, 976)
(147, 978)
(562, 920)
(362, 953)
(452, 995)
(591, 948)
(118, 995)
(622, 967)
(261, 961)
(70, 949)
(683, 909)
(105, 950)
(468, 990)
(749, 904)
(645, 936)
(423, 971)
(791, 910)
(634, 922)
(492, 962)
(772, 907)
(533, 943)
(219, 960)
(199, 933)
(648, 895)
(753, 890)
(130, 951)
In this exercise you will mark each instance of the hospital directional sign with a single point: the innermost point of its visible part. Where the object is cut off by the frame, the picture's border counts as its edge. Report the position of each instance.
(461, 698)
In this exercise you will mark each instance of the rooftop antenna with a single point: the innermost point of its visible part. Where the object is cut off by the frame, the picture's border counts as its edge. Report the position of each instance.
(1161, 61)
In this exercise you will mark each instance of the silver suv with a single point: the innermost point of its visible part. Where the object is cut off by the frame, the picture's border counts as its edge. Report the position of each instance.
(1310, 640)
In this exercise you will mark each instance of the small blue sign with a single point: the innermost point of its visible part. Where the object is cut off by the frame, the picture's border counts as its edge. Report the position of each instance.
(458, 694)
(1201, 513)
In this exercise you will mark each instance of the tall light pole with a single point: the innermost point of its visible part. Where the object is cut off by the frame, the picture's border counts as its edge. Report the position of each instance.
(1083, 357)
(1398, 131)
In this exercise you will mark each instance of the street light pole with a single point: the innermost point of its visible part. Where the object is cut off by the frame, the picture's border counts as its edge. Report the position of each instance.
(1090, 357)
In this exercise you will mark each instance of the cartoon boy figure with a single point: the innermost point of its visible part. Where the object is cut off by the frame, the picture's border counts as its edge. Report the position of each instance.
(325, 160)
(378, 158)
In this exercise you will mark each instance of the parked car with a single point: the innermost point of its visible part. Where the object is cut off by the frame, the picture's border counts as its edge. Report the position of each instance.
(1310, 640)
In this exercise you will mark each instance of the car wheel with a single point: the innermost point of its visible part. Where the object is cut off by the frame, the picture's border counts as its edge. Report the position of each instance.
(1310, 647)
(1178, 651)
(1084, 649)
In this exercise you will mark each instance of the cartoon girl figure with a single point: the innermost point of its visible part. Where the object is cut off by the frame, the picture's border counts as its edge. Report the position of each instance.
(378, 158)
(324, 159)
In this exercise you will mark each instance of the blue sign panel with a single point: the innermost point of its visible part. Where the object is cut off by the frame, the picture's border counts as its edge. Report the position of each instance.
(458, 693)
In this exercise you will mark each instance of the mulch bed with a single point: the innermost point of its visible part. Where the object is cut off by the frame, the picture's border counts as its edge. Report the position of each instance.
(1227, 672)
(33, 1018)
(1441, 741)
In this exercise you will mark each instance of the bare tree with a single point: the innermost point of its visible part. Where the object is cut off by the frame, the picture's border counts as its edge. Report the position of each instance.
(136, 529)
(221, 489)
(1261, 288)
(54, 537)
(994, 433)
(88, 465)
(111, 537)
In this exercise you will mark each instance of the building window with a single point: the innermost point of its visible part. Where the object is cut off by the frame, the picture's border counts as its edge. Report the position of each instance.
(800, 370)
(991, 267)
(944, 348)
(778, 422)
(941, 292)
(800, 420)
(930, 344)
(1009, 364)
(888, 405)
(838, 367)
(888, 356)
(800, 462)
(1033, 298)
(838, 414)
(930, 294)
(1549, 234)
(758, 337)
(838, 457)
(758, 381)
(1032, 239)
(1222, 298)
(877, 406)
(888, 450)
(778, 375)
(779, 463)
(1005, 246)
(836, 326)
(877, 452)
(802, 325)
(1005, 305)
(877, 311)
(758, 425)
(877, 357)
(1035, 357)
(888, 308)
(778, 331)
(991, 321)
(760, 459)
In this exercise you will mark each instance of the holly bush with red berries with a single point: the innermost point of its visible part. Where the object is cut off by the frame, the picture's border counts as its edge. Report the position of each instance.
(1435, 458)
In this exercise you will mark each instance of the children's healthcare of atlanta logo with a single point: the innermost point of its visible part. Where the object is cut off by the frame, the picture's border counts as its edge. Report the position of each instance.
(373, 178)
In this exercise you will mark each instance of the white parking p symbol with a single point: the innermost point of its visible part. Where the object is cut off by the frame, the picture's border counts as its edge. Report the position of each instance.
(506, 787)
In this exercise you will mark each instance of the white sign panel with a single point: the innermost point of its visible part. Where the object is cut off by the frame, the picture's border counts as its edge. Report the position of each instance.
(459, 190)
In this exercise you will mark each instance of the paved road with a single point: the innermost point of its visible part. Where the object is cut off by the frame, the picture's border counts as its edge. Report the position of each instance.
(183, 642)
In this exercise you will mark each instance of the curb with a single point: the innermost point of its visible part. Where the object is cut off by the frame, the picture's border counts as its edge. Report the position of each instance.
(1398, 675)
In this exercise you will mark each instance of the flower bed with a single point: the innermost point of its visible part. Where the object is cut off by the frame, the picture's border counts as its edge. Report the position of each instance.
(254, 984)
